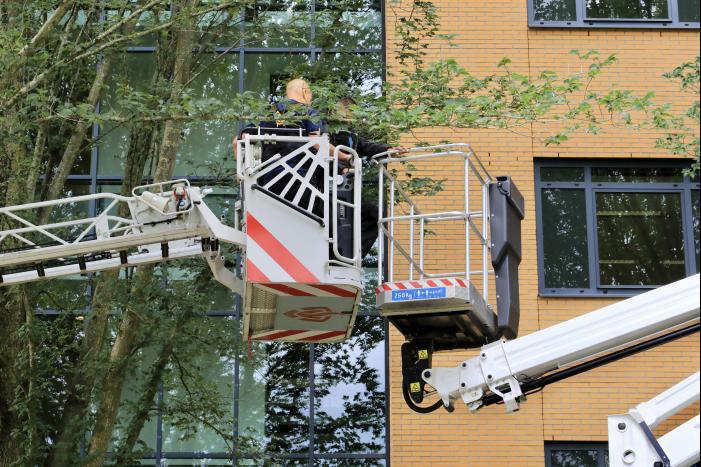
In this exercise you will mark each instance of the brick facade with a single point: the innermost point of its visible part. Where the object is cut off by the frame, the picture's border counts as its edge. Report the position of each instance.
(576, 409)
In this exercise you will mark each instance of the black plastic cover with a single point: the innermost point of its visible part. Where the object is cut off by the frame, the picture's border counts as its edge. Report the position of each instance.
(507, 211)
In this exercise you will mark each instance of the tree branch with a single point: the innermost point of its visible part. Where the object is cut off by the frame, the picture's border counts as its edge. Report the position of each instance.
(48, 25)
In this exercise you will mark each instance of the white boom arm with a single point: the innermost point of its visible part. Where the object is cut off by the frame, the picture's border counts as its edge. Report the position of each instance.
(632, 444)
(503, 366)
(165, 221)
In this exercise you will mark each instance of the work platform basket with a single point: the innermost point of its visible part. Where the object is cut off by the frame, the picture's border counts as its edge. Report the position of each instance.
(441, 245)
(302, 224)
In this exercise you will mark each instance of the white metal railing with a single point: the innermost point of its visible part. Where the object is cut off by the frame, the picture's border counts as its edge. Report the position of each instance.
(476, 221)
(279, 169)
(108, 223)
(356, 260)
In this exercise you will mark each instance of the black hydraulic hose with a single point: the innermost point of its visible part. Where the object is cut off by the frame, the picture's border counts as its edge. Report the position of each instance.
(418, 408)
(537, 384)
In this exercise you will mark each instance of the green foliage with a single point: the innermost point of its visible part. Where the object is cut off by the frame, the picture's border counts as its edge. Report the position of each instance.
(681, 136)
(57, 367)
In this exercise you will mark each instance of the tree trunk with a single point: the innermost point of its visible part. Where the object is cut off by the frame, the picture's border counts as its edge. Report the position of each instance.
(14, 410)
(123, 347)
(81, 382)
(150, 388)
(75, 143)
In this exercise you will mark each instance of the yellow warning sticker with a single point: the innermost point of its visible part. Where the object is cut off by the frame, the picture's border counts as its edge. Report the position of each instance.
(423, 354)
(415, 387)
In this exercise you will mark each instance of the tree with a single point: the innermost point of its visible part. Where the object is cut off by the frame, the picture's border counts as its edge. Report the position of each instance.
(89, 381)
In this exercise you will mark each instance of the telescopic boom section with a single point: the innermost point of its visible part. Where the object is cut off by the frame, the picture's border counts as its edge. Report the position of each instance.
(502, 367)
(163, 221)
(632, 443)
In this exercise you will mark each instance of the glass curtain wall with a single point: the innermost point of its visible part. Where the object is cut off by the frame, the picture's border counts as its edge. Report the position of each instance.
(287, 404)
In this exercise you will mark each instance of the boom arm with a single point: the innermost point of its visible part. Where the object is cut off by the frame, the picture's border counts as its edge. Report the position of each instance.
(631, 442)
(167, 220)
(502, 367)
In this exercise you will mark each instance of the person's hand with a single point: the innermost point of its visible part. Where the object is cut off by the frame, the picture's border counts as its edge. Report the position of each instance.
(345, 157)
(400, 150)
(235, 147)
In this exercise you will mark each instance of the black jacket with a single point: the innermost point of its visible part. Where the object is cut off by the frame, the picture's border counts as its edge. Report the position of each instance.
(365, 148)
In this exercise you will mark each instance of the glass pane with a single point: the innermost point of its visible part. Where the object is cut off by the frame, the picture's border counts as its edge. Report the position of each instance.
(565, 257)
(278, 23)
(362, 72)
(267, 74)
(130, 78)
(272, 460)
(81, 166)
(274, 398)
(573, 458)
(627, 9)
(198, 391)
(554, 10)
(695, 211)
(206, 146)
(193, 462)
(351, 25)
(349, 391)
(102, 204)
(636, 175)
(221, 200)
(561, 174)
(688, 10)
(136, 385)
(640, 238)
(349, 462)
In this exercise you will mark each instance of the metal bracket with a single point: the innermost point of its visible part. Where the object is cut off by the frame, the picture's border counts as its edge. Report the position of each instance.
(497, 375)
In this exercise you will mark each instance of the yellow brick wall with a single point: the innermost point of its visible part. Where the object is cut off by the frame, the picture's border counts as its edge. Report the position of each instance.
(576, 409)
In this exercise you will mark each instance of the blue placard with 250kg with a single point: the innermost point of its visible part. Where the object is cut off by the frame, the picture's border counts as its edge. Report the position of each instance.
(418, 294)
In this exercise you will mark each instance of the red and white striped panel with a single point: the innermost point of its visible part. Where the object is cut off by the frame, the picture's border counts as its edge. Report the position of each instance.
(311, 290)
(273, 253)
(293, 335)
(422, 284)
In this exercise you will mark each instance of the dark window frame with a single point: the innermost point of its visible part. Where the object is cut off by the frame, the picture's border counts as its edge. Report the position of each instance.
(582, 21)
(590, 188)
(600, 447)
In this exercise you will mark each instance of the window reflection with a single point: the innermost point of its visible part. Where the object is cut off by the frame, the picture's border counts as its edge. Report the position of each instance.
(350, 397)
(349, 462)
(266, 74)
(565, 253)
(696, 225)
(198, 390)
(555, 10)
(131, 77)
(562, 174)
(629, 9)
(689, 10)
(354, 25)
(274, 398)
(278, 23)
(573, 458)
(206, 146)
(640, 238)
(636, 175)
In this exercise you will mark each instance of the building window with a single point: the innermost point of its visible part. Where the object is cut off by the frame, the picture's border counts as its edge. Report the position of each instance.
(576, 454)
(281, 404)
(668, 14)
(615, 227)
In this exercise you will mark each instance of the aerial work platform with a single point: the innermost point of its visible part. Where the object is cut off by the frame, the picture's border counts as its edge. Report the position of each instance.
(300, 286)
(481, 226)
(297, 230)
